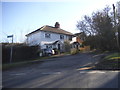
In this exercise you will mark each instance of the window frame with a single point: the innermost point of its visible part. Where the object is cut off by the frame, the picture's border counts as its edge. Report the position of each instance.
(62, 37)
(70, 38)
(47, 35)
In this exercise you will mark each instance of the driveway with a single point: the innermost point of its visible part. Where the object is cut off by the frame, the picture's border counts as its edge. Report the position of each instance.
(64, 72)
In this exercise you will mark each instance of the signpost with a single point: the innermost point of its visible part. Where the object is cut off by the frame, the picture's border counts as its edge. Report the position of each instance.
(11, 51)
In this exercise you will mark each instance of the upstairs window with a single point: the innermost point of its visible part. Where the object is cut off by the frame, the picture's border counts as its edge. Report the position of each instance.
(70, 38)
(47, 35)
(61, 36)
(46, 46)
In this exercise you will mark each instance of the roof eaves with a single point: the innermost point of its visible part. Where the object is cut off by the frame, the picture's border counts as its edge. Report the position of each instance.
(43, 27)
(35, 31)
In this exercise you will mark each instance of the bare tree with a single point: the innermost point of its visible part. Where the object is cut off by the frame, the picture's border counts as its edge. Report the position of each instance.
(99, 29)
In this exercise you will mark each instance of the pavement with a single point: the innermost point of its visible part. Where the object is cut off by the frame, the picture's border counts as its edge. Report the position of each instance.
(71, 71)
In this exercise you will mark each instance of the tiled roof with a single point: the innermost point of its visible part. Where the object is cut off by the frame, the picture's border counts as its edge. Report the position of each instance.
(51, 29)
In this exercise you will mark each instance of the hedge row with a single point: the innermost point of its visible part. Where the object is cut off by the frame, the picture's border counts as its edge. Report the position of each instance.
(21, 52)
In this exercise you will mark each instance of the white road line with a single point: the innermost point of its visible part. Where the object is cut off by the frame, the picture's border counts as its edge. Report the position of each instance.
(92, 72)
(51, 73)
(115, 71)
(97, 72)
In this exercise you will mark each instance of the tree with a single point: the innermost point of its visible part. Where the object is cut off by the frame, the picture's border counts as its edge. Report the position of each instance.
(119, 31)
(85, 25)
(104, 29)
(100, 28)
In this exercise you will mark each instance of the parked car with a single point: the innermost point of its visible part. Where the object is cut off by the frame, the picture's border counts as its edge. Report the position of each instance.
(47, 52)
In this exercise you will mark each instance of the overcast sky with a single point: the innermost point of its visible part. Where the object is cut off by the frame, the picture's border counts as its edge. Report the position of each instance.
(21, 18)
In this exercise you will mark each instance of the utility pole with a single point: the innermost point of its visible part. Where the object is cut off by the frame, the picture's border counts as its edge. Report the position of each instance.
(11, 51)
(116, 29)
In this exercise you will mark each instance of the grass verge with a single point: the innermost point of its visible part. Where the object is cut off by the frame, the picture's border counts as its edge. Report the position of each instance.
(109, 62)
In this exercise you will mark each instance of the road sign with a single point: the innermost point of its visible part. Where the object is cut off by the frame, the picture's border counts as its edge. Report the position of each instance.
(9, 36)
(11, 51)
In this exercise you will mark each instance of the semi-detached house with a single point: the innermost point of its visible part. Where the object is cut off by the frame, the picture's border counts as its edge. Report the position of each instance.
(49, 37)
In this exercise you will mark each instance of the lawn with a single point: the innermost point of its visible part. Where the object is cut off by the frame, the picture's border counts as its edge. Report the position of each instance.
(109, 62)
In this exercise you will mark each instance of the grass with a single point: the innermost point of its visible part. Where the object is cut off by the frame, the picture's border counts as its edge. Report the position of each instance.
(110, 62)
(113, 56)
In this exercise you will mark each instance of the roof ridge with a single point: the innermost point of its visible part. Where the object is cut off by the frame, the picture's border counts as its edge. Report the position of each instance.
(52, 29)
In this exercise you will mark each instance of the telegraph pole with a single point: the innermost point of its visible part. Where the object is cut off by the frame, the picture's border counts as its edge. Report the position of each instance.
(116, 29)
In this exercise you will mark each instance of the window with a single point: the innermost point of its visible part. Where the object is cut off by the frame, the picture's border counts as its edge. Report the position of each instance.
(46, 46)
(70, 38)
(47, 35)
(61, 36)
(50, 46)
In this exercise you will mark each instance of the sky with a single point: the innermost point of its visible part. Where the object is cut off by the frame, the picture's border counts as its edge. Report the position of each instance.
(22, 17)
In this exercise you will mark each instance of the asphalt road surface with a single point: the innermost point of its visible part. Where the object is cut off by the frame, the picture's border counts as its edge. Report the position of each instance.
(64, 72)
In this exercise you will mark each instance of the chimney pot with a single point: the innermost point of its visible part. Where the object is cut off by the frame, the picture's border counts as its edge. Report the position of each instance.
(57, 25)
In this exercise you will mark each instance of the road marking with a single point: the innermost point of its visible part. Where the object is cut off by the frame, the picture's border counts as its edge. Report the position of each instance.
(51, 73)
(96, 71)
(92, 72)
(115, 71)
(86, 68)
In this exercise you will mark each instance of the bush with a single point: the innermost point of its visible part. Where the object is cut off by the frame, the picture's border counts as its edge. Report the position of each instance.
(74, 51)
(67, 46)
(56, 51)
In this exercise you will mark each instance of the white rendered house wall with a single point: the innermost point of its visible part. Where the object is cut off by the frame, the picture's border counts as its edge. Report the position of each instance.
(34, 39)
(38, 38)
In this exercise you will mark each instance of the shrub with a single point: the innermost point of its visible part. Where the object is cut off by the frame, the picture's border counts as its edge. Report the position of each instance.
(56, 51)
(67, 46)
(74, 51)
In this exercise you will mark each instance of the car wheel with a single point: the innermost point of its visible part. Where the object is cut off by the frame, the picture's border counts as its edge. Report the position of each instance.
(49, 54)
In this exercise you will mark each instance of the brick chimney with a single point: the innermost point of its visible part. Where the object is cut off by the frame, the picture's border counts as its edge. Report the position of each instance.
(57, 25)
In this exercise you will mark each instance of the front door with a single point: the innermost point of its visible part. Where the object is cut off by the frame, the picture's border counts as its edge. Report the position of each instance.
(58, 46)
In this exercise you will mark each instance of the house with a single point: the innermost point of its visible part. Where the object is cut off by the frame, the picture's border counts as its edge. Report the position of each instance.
(77, 41)
(49, 37)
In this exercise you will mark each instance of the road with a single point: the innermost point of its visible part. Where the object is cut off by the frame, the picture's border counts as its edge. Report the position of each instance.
(64, 72)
